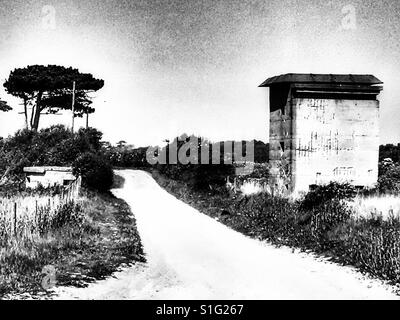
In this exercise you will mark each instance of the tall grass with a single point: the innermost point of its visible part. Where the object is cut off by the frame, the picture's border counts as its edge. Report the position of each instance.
(83, 240)
(372, 244)
(34, 231)
(35, 237)
(22, 218)
(26, 214)
(385, 205)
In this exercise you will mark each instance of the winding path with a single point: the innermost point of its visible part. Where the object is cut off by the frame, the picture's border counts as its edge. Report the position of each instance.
(191, 256)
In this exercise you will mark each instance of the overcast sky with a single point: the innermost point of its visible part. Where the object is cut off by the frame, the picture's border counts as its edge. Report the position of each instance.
(175, 66)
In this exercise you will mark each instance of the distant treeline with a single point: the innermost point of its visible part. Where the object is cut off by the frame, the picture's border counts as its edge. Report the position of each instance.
(123, 155)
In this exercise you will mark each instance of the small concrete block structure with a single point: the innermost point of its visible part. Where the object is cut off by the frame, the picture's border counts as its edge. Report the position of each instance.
(48, 176)
(323, 128)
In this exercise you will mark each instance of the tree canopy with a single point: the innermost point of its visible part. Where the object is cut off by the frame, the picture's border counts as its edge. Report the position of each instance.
(4, 106)
(48, 89)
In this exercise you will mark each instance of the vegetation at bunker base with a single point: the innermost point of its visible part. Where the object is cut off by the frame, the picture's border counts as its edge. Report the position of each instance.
(322, 222)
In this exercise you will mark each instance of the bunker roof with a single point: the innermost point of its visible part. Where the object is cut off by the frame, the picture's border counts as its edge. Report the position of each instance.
(47, 168)
(309, 78)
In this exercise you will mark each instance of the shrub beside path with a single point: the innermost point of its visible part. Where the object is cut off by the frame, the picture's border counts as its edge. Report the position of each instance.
(191, 256)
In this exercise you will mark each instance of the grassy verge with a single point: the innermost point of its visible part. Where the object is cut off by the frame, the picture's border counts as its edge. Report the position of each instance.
(83, 242)
(330, 229)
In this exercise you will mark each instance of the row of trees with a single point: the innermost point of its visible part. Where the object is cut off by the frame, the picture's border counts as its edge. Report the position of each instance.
(49, 89)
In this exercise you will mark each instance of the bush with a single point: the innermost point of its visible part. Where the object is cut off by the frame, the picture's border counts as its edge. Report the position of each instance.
(88, 140)
(389, 177)
(212, 175)
(96, 171)
(325, 193)
(389, 151)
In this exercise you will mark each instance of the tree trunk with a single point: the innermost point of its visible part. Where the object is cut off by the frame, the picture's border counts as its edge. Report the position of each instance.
(32, 114)
(26, 113)
(38, 109)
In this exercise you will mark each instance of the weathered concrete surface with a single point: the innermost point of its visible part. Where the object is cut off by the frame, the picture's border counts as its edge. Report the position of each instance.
(315, 141)
(48, 176)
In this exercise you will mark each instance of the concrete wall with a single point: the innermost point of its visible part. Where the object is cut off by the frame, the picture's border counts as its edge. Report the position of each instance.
(47, 179)
(281, 150)
(324, 140)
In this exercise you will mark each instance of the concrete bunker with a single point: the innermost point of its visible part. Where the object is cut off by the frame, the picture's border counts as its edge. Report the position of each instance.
(48, 176)
(323, 128)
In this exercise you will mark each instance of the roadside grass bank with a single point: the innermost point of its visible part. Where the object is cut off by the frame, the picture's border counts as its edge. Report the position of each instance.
(73, 245)
(327, 227)
(385, 205)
